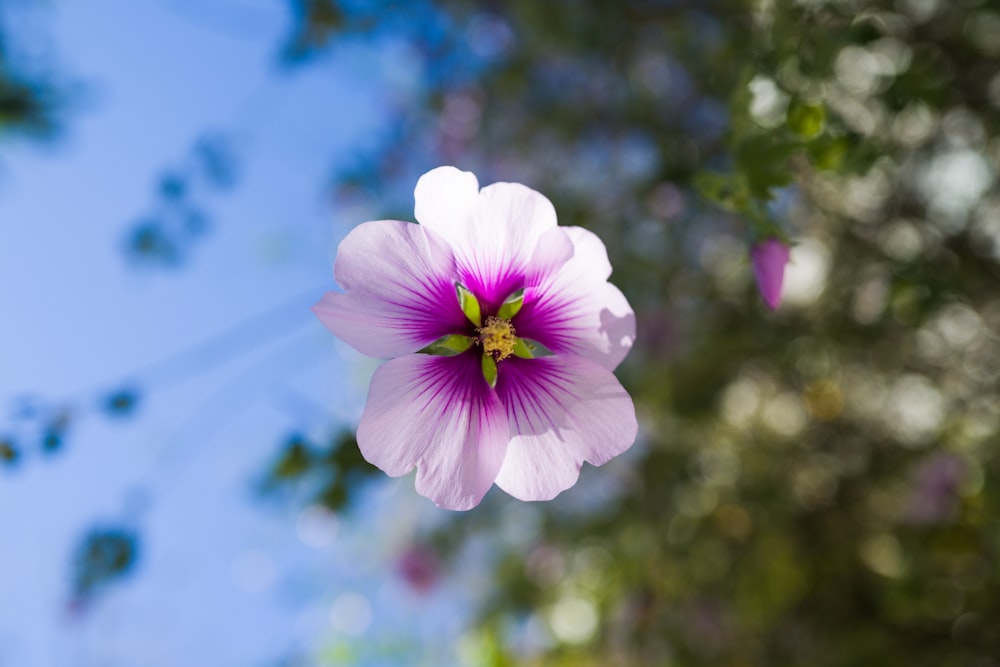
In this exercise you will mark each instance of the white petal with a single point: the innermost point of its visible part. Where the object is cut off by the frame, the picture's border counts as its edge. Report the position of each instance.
(577, 311)
(444, 199)
(438, 414)
(552, 250)
(563, 410)
(496, 233)
(591, 255)
(503, 232)
(400, 290)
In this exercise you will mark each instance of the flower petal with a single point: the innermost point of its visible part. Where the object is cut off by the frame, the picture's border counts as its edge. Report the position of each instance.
(576, 311)
(563, 410)
(494, 232)
(501, 236)
(444, 199)
(552, 250)
(435, 413)
(400, 291)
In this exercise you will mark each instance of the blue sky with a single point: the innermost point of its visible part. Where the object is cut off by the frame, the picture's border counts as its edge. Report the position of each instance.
(223, 579)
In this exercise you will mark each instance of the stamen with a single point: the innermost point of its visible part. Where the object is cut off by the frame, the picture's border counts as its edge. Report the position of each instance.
(497, 337)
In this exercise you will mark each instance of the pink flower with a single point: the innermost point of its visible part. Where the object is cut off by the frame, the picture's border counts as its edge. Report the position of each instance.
(501, 332)
(420, 569)
(769, 260)
(934, 496)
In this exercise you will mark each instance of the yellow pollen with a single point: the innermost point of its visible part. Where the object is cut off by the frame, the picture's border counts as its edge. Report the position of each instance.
(497, 337)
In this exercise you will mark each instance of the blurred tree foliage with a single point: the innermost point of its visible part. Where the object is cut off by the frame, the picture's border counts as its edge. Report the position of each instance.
(30, 106)
(814, 487)
(104, 555)
(29, 103)
(180, 215)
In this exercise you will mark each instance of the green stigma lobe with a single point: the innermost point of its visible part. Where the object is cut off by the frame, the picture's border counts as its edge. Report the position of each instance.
(448, 346)
(469, 304)
(530, 349)
(490, 370)
(511, 305)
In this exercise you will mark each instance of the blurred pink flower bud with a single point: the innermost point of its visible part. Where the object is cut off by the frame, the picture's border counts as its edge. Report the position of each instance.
(934, 495)
(769, 260)
(419, 568)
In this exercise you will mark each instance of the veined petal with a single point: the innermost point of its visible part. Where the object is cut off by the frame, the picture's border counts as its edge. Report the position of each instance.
(494, 232)
(562, 410)
(502, 235)
(400, 291)
(436, 413)
(552, 249)
(576, 311)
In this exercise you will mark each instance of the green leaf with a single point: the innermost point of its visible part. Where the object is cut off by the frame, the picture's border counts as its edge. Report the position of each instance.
(525, 348)
(763, 160)
(828, 152)
(122, 402)
(806, 120)
(295, 461)
(448, 346)
(490, 370)
(470, 305)
(511, 305)
(8, 452)
(725, 190)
